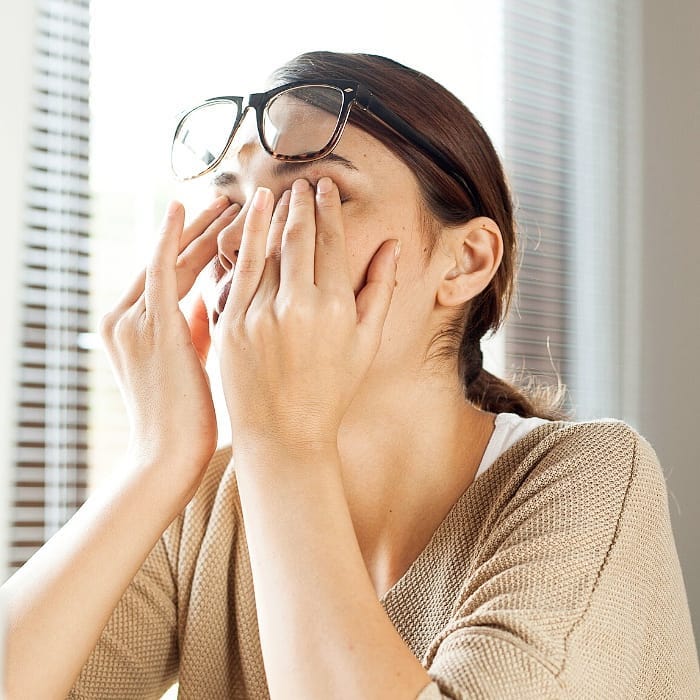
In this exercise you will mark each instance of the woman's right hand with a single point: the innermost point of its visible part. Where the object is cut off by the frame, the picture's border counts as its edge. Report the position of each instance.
(159, 358)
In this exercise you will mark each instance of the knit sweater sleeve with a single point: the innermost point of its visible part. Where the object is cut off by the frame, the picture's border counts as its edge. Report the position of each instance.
(577, 589)
(136, 656)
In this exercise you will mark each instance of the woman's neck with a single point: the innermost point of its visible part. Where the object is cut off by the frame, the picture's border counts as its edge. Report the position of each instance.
(408, 452)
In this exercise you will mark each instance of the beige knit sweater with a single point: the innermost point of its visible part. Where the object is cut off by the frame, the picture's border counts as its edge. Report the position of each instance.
(554, 575)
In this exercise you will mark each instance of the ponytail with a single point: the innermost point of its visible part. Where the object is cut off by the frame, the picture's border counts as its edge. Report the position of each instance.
(490, 393)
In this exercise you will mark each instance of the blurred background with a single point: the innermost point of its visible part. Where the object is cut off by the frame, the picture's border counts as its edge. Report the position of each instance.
(594, 106)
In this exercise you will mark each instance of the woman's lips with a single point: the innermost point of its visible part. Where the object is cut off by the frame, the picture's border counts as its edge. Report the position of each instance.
(222, 292)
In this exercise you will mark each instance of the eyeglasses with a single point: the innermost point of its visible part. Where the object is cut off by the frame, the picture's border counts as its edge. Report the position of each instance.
(299, 121)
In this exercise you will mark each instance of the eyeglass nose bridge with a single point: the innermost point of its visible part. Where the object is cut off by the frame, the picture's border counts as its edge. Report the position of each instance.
(246, 105)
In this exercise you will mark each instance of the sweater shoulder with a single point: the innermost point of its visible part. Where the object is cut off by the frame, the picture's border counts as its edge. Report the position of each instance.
(601, 445)
(570, 476)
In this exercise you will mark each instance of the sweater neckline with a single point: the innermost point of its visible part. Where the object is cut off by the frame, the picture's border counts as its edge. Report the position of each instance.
(458, 506)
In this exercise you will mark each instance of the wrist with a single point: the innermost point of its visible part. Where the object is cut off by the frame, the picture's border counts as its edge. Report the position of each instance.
(297, 451)
(178, 478)
(276, 457)
(291, 448)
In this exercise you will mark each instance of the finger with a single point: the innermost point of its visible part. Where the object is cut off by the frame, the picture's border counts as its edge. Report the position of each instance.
(137, 287)
(331, 262)
(133, 293)
(198, 321)
(160, 292)
(375, 297)
(201, 251)
(270, 282)
(218, 208)
(251, 256)
(279, 219)
(299, 239)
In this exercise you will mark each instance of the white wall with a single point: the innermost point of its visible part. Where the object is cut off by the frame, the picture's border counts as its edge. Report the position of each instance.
(669, 385)
(16, 37)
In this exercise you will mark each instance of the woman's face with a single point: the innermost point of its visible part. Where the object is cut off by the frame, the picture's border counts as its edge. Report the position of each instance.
(379, 197)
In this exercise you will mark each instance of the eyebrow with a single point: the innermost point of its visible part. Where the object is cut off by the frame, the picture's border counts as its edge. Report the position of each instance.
(288, 168)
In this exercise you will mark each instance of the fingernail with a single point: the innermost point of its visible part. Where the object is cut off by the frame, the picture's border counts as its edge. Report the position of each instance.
(324, 185)
(286, 196)
(261, 197)
(300, 186)
(221, 201)
(397, 250)
(233, 209)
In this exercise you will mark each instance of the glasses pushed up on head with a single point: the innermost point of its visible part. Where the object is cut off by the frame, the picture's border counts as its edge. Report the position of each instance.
(299, 121)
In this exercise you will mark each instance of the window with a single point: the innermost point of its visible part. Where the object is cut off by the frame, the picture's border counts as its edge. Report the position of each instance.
(565, 108)
(50, 471)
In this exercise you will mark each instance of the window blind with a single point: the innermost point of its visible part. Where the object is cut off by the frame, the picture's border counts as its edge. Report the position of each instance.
(50, 470)
(562, 80)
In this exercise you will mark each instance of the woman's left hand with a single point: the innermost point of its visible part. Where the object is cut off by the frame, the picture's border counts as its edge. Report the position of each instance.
(294, 341)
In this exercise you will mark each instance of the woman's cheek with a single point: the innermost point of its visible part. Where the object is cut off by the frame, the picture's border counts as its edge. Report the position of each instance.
(367, 225)
(361, 250)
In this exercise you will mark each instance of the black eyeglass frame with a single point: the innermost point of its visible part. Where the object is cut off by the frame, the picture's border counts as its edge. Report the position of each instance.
(353, 93)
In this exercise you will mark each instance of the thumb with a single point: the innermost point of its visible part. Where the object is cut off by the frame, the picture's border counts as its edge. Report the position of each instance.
(198, 321)
(375, 297)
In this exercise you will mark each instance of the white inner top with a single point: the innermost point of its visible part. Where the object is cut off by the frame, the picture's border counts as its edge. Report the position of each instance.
(509, 428)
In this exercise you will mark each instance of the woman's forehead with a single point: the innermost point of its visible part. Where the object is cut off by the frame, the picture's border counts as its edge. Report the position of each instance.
(357, 152)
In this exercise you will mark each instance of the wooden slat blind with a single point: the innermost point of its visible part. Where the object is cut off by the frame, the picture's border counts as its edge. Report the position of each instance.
(50, 470)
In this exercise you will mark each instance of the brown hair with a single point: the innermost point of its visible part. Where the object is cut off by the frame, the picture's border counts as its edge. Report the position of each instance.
(447, 123)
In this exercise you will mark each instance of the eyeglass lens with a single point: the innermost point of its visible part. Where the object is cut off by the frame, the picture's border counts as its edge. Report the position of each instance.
(301, 121)
(201, 137)
(297, 122)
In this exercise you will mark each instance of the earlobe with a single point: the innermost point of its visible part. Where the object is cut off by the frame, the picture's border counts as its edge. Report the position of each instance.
(472, 255)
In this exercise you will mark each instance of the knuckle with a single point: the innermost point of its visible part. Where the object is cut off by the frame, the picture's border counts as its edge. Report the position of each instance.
(260, 322)
(236, 323)
(255, 225)
(122, 329)
(107, 323)
(280, 215)
(185, 264)
(246, 266)
(327, 203)
(275, 256)
(293, 311)
(324, 235)
(303, 200)
(294, 232)
(334, 306)
(155, 270)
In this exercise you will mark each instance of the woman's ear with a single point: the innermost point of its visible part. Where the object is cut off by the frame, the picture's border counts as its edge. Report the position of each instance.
(470, 256)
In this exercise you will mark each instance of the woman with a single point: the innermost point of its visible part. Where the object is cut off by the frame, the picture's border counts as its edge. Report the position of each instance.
(392, 521)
